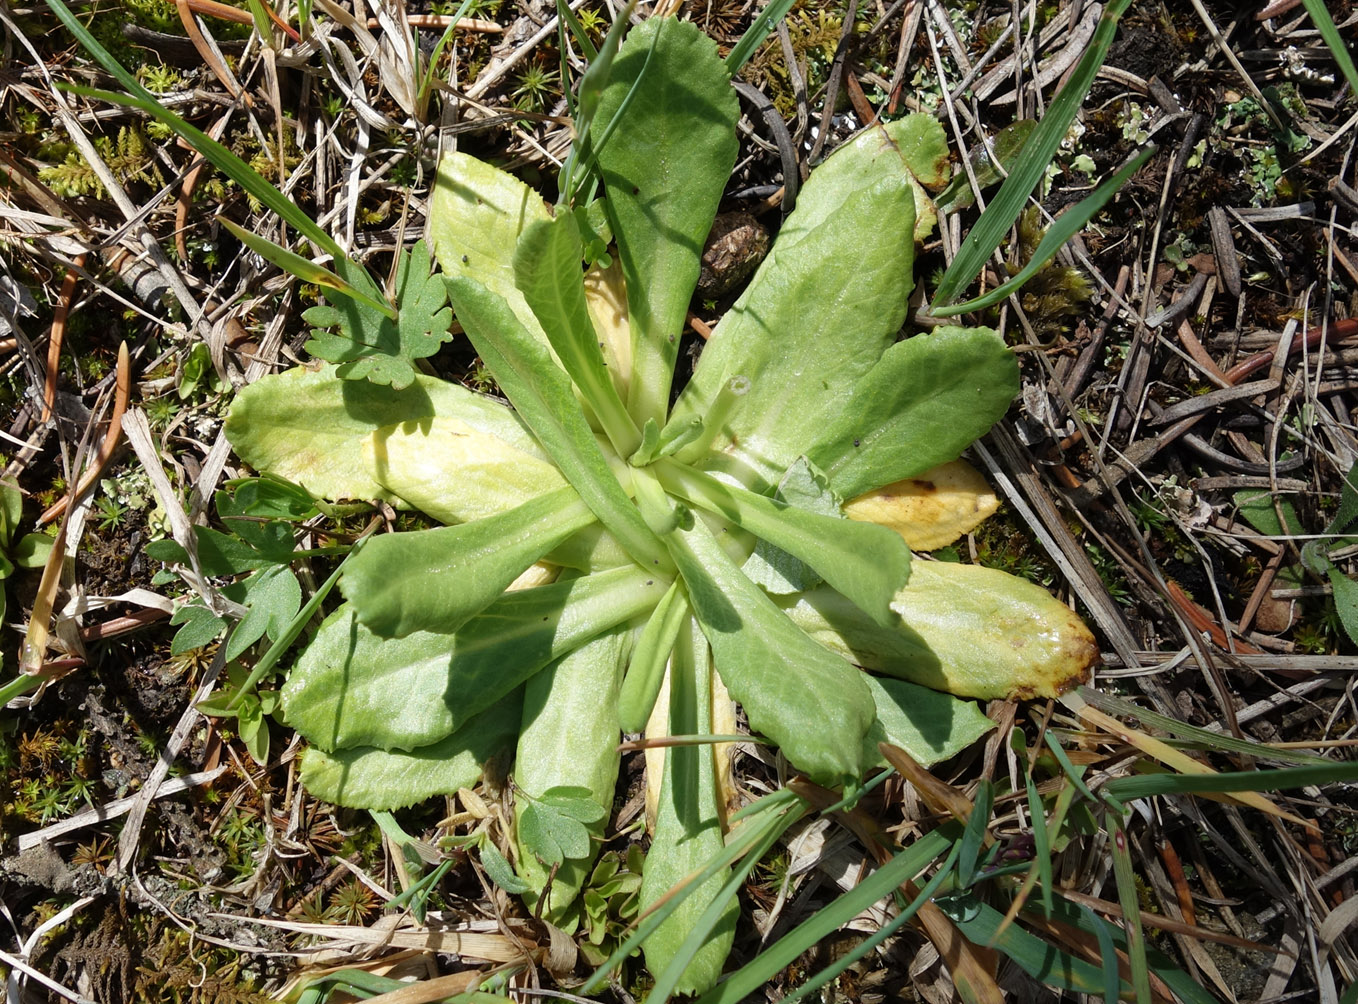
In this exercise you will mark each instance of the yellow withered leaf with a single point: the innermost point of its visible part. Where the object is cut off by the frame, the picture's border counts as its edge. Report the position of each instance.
(931, 509)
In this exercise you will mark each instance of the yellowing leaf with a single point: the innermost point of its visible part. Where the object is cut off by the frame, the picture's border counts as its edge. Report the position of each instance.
(454, 472)
(931, 509)
(606, 297)
(994, 634)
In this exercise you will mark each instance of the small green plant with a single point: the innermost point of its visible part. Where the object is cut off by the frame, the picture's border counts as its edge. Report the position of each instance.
(1278, 517)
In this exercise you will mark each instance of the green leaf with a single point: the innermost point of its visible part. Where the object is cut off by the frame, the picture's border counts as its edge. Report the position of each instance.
(32, 550)
(542, 394)
(547, 271)
(254, 730)
(754, 36)
(688, 829)
(824, 922)
(928, 399)
(664, 168)
(1038, 154)
(380, 345)
(568, 759)
(309, 427)
(498, 870)
(369, 778)
(269, 496)
(823, 307)
(1149, 785)
(435, 580)
(304, 269)
(984, 925)
(476, 215)
(646, 669)
(552, 832)
(354, 688)
(808, 700)
(455, 472)
(11, 512)
(865, 562)
(1260, 510)
(929, 725)
(200, 627)
(1345, 601)
(273, 596)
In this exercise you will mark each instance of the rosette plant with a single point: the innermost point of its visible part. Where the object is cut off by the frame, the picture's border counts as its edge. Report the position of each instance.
(617, 558)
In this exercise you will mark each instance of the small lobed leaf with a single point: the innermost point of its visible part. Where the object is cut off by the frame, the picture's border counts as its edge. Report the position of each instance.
(373, 346)
(273, 596)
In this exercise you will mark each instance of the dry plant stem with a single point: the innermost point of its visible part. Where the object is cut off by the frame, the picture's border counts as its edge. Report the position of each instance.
(55, 337)
(225, 12)
(34, 648)
(206, 52)
(442, 21)
(1139, 453)
(122, 387)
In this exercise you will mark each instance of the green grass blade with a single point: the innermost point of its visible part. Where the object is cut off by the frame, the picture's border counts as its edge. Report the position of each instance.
(1042, 857)
(754, 36)
(1063, 228)
(427, 83)
(1037, 155)
(304, 268)
(826, 921)
(1183, 985)
(1330, 33)
(220, 157)
(668, 981)
(776, 812)
(861, 950)
(973, 839)
(1039, 959)
(101, 55)
(1131, 908)
(1107, 952)
(234, 168)
(1146, 785)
